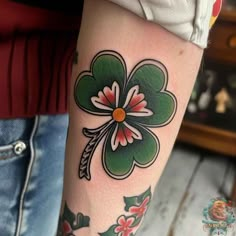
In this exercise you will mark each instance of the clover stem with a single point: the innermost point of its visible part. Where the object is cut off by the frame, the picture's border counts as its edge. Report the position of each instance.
(96, 135)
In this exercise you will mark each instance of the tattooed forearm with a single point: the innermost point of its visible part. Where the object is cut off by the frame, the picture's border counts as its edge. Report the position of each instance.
(136, 208)
(133, 104)
(70, 222)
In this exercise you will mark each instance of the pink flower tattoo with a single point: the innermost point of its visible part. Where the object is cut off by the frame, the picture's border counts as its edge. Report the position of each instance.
(140, 210)
(124, 227)
(135, 207)
(66, 228)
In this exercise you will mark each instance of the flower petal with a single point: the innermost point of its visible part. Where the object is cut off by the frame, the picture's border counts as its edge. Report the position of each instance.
(66, 227)
(131, 133)
(118, 137)
(118, 229)
(129, 221)
(107, 99)
(124, 134)
(121, 220)
(135, 104)
(124, 224)
(137, 200)
(141, 209)
(146, 201)
(142, 153)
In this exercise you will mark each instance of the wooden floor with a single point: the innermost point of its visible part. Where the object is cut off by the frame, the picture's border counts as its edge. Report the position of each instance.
(191, 178)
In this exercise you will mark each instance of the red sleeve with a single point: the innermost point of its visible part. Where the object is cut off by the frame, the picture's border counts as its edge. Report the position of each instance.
(20, 17)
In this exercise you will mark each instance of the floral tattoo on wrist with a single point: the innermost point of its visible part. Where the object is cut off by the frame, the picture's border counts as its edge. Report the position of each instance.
(136, 208)
(132, 105)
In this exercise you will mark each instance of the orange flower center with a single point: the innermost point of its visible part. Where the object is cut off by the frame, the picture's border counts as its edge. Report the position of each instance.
(119, 114)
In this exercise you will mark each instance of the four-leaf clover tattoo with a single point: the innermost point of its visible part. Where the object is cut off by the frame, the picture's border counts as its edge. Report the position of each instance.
(132, 105)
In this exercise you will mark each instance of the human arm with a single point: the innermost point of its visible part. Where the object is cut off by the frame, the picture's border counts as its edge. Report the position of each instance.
(106, 27)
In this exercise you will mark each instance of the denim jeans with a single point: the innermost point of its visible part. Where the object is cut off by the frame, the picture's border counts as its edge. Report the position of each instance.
(31, 174)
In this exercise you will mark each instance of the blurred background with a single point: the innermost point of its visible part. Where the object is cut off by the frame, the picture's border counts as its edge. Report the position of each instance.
(202, 165)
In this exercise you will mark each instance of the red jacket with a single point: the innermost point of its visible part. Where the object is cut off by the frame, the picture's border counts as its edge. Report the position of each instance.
(37, 46)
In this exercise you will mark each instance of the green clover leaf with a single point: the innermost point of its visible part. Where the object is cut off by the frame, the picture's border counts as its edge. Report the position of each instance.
(105, 69)
(119, 164)
(153, 78)
(133, 103)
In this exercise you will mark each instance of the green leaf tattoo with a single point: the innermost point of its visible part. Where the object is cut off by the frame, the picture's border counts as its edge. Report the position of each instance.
(69, 222)
(136, 207)
(132, 104)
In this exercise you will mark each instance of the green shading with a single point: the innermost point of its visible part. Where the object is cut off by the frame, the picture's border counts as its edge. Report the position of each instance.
(152, 82)
(137, 200)
(104, 71)
(119, 163)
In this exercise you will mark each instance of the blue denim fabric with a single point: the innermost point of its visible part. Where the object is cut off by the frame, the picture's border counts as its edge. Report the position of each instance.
(31, 178)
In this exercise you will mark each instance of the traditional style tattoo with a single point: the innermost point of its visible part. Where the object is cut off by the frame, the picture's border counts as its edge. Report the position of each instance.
(132, 105)
(70, 222)
(136, 208)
